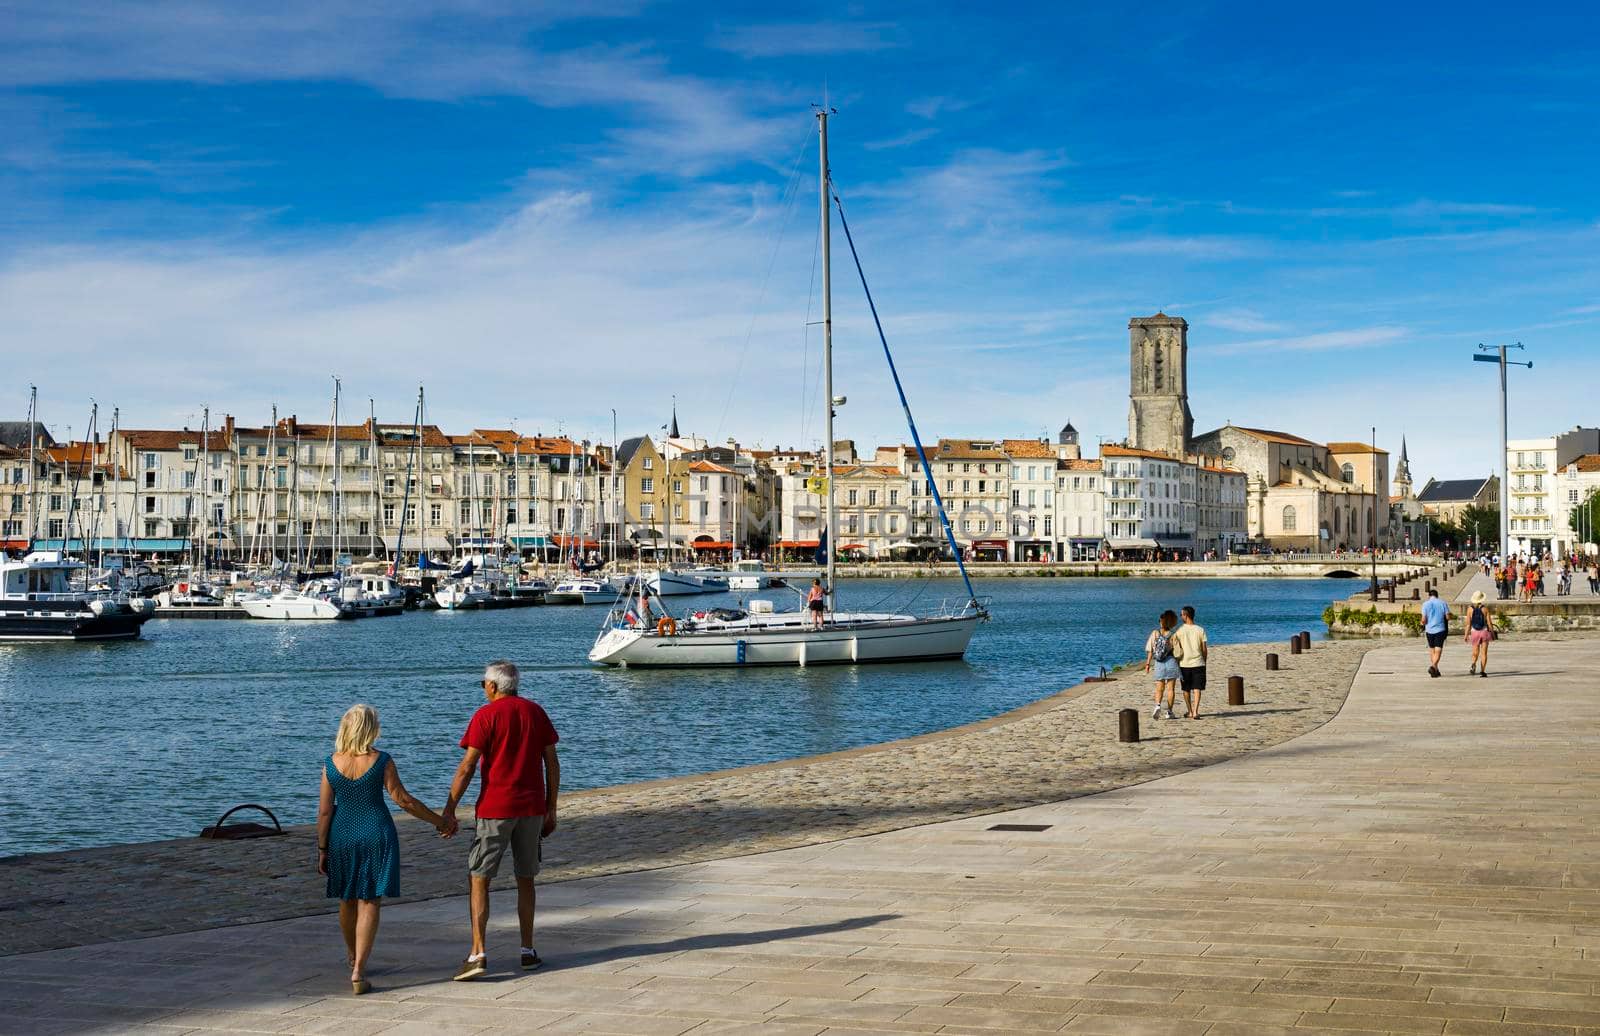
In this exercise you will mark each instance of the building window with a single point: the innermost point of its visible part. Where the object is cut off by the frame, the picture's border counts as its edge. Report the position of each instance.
(1349, 472)
(1288, 518)
(388, 514)
(648, 464)
(647, 511)
(647, 485)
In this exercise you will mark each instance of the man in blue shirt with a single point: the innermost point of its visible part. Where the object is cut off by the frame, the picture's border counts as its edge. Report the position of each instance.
(1436, 626)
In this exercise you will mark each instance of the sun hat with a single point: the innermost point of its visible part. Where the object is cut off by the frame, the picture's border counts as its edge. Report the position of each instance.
(1478, 597)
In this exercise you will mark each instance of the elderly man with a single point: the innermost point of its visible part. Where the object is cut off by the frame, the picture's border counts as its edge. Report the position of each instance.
(515, 743)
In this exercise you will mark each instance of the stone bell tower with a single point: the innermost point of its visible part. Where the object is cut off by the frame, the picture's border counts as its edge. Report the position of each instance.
(1158, 388)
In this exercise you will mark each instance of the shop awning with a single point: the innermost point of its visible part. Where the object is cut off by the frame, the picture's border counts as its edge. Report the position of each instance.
(989, 544)
(854, 546)
(119, 543)
(799, 544)
(1136, 544)
(529, 542)
(712, 545)
(575, 541)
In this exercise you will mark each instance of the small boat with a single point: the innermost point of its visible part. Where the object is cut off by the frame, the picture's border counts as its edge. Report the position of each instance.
(185, 594)
(37, 602)
(290, 603)
(463, 592)
(666, 582)
(371, 596)
(582, 590)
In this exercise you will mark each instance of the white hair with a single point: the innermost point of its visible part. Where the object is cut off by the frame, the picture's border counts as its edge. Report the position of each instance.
(503, 675)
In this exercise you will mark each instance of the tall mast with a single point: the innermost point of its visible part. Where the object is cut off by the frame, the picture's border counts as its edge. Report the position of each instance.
(333, 433)
(828, 539)
(205, 488)
(516, 493)
(33, 469)
(376, 496)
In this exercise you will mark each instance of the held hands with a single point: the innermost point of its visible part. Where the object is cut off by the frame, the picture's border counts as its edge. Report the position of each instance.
(448, 824)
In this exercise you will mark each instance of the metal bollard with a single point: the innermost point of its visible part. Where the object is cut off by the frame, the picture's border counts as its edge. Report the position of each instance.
(1416, 595)
(1235, 690)
(1272, 662)
(1128, 725)
(1305, 640)
(1294, 644)
(1391, 593)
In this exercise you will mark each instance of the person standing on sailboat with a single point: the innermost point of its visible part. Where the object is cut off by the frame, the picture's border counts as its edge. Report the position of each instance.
(814, 601)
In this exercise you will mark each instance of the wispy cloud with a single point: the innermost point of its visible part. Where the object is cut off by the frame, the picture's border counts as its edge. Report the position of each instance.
(906, 139)
(786, 39)
(1352, 338)
(933, 107)
(1243, 321)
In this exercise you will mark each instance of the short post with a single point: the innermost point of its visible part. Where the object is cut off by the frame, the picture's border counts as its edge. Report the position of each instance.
(1235, 690)
(1391, 593)
(1128, 725)
(1416, 595)
(1294, 644)
(1272, 662)
(1305, 640)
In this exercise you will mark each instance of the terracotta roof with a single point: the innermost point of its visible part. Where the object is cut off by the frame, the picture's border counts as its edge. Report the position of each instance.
(708, 467)
(161, 439)
(1270, 436)
(1078, 465)
(1220, 470)
(1108, 450)
(963, 449)
(1028, 448)
(1588, 462)
(1354, 447)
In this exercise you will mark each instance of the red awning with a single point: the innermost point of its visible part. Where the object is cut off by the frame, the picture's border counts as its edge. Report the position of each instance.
(799, 544)
(575, 541)
(14, 544)
(989, 544)
(854, 546)
(712, 545)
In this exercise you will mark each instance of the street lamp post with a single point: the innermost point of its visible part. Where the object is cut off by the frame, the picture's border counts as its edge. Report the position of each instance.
(1499, 356)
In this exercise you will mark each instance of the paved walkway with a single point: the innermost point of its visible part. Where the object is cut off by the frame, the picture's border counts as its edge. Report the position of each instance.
(1426, 862)
(1061, 747)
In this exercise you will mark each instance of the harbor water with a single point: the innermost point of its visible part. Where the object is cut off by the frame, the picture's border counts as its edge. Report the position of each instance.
(151, 739)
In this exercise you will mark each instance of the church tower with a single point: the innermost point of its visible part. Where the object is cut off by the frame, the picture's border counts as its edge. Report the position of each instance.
(1402, 473)
(1158, 390)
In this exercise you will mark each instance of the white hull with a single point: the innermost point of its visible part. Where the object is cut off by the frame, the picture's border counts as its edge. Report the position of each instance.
(295, 607)
(455, 598)
(788, 639)
(677, 584)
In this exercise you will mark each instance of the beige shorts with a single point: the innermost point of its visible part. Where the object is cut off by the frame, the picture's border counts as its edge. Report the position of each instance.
(519, 834)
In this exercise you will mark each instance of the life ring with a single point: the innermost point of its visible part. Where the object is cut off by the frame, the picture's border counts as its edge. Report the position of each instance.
(667, 627)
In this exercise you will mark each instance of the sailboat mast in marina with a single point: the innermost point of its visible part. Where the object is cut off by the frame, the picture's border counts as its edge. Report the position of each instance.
(762, 636)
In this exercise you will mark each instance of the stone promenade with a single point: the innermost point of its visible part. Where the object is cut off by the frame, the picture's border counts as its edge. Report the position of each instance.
(1425, 862)
(1061, 747)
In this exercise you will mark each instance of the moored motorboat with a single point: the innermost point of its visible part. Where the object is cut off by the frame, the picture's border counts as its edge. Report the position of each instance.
(582, 590)
(38, 602)
(293, 604)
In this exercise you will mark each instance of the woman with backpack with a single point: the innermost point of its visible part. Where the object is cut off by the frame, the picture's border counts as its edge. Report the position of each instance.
(1160, 661)
(1480, 630)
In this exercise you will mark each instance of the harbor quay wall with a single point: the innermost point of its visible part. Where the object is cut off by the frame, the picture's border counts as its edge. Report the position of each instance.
(1282, 568)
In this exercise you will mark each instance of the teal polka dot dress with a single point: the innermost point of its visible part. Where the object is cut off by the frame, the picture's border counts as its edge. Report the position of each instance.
(363, 847)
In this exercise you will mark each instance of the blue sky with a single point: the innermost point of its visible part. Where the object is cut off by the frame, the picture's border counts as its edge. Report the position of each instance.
(544, 215)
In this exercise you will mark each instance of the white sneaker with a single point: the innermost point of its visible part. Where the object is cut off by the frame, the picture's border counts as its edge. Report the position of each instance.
(1155, 713)
(1169, 714)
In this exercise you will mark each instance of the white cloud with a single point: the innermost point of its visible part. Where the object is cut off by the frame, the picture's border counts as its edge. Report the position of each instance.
(1244, 321)
(1352, 338)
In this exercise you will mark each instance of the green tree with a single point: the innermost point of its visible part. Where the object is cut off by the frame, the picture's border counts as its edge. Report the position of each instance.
(1480, 525)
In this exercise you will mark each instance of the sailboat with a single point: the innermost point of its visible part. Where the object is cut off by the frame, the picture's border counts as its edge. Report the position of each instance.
(762, 636)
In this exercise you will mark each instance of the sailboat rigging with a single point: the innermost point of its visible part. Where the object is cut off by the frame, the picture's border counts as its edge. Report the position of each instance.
(760, 636)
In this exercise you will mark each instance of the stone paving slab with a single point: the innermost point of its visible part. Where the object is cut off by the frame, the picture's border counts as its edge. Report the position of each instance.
(1061, 747)
(1423, 863)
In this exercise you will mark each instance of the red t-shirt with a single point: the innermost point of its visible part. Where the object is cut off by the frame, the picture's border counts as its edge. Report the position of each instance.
(512, 733)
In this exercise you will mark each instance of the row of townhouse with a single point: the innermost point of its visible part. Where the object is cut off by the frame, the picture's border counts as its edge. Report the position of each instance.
(1016, 500)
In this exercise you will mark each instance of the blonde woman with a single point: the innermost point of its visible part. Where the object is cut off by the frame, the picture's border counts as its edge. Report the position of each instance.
(357, 847)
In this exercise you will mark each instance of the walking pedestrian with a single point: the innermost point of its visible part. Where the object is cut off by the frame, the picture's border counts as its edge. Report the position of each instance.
(357, 846)
(1480, 630)
(1594, 577)
(1436, 626)
(1160, 662)
(515, 743)
(1190, 642)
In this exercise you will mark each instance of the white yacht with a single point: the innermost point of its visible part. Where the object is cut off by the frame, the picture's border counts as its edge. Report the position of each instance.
(38, 602)
(582, 590)
(289, 603)
(666, 582)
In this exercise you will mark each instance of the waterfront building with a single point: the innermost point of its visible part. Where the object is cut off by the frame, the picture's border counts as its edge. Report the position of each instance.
(872, 501)
(1080, 509)
(645, 485)
(1145, 506)
(1033, 488)
(1536, 493)
(183, 487)
(1579, 480)
(973, 476)
(1219, 508)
